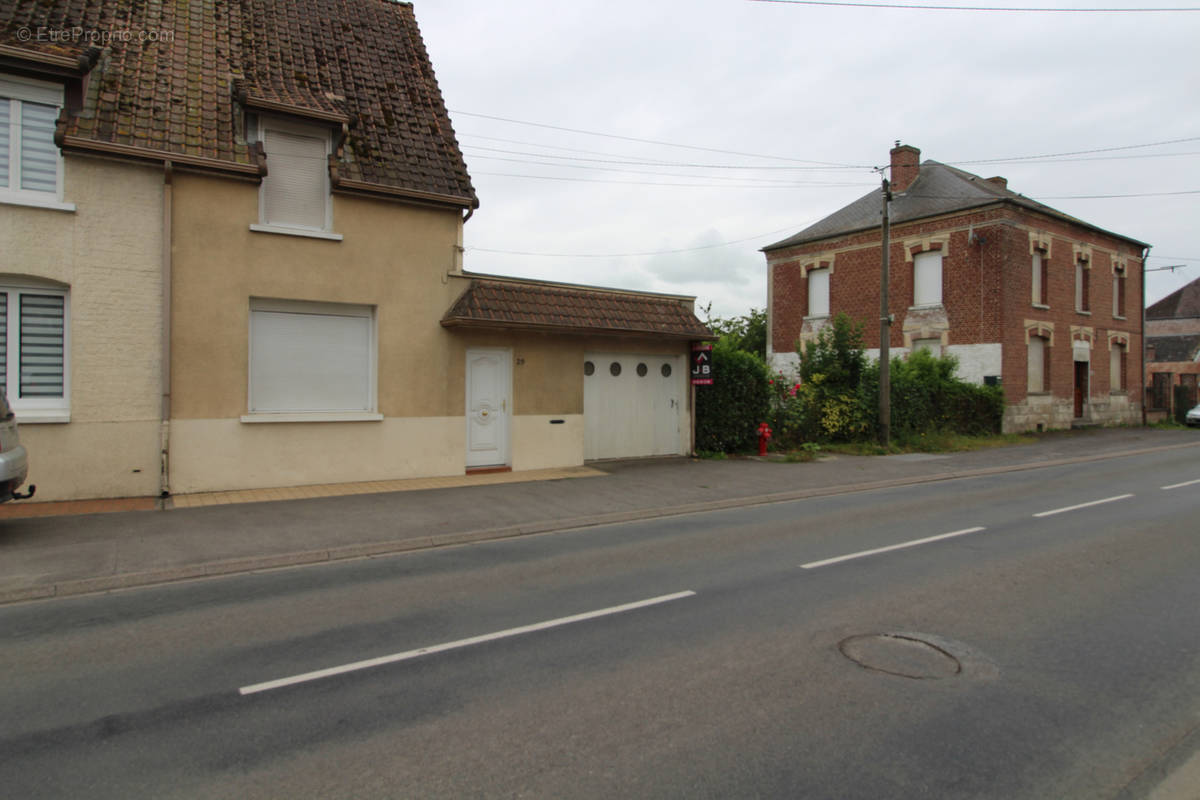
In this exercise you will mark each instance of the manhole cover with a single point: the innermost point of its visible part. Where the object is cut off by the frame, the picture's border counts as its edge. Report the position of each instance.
(906, 655)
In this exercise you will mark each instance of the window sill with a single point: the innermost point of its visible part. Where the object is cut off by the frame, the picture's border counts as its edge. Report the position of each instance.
(41, 416)
(33, 201)
(1041, 306)
(1083, 313)
(1038, 394)
(927, 307)
(313, 416)
(1120, 317)
(305, 232)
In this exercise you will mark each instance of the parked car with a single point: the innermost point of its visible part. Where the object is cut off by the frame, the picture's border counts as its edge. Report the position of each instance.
(14, 462)
(1193, 416)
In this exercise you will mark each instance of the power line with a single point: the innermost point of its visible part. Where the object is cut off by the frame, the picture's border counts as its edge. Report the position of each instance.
(633, 255)
(627, 171)
(653, 162)
(1016, 9)
(649, 141)
(1078, 152)
(693, 185)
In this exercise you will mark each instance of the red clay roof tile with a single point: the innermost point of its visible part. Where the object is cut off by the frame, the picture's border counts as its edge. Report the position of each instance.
(537, 306)
(177, 77)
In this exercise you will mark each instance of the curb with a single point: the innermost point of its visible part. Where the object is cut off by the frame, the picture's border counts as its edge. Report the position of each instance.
(237, 566)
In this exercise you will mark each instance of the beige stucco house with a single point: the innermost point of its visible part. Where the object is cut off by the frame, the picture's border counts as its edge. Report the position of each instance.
(250, 252)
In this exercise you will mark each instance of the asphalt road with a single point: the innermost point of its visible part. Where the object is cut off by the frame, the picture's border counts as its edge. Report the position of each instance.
(1044, 644)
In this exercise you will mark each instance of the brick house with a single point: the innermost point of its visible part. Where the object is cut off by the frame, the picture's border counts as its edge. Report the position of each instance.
(1023, 295)
(232, 239)
(1172, 350)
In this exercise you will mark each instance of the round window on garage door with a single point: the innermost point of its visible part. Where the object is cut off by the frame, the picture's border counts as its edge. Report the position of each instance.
(642, 370)
(614, 368)
(589, 368)
(666, 370)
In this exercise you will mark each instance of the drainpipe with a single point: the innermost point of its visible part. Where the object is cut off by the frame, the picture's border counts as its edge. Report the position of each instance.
(165, 423)
(1142, 332)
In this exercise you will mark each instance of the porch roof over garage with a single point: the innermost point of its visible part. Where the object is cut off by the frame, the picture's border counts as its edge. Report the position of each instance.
(512, 303)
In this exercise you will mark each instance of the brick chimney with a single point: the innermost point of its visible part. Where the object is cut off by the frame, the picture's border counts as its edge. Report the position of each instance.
(906, 165)
(998, 181)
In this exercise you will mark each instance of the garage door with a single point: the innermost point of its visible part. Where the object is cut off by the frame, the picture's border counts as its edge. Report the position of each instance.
(633, 405)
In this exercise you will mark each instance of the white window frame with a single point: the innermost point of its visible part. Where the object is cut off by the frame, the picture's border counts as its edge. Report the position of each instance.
(16, 91)
(257, 410)
(262, 129)
(35, 409)
(920, 261)
(823, 275)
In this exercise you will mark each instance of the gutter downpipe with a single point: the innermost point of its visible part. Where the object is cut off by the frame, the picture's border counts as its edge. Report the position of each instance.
(1142, 399)
(165, 423)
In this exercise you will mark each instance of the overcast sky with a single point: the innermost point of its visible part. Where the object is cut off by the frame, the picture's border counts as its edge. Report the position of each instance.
(781, 110)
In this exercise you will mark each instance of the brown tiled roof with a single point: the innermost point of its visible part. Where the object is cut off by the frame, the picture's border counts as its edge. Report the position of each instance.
(530, 305)
(1181, 303)
(173, 80)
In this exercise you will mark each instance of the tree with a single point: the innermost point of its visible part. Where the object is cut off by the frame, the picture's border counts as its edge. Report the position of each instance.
(747, 332)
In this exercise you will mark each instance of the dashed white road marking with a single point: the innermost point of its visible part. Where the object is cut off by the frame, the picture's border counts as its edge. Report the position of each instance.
(441, 648)
(1082, 505)
(913, 543)
(1179, 485)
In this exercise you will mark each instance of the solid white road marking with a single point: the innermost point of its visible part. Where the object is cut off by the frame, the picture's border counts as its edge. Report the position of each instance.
(440, 648)
(1185, 483)
(913, 543)
(1082, 505)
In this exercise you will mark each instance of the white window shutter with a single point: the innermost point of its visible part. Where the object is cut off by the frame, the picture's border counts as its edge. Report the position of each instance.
(310, 361)
(818, 292)
(295, 191)
(927, 278)
(39, 155)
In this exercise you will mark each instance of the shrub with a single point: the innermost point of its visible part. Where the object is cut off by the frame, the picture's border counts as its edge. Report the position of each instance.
(729, 411)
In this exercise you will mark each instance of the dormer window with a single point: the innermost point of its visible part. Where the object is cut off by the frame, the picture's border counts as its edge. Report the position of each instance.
(30, 162)
(294, 198)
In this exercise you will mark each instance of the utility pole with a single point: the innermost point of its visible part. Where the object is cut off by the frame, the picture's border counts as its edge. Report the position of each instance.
(885, 329)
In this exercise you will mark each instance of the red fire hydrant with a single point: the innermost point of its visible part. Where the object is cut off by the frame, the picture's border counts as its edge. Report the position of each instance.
(764, 436)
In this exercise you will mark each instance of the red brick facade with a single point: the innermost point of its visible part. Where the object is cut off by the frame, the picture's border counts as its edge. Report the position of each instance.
(987, 299)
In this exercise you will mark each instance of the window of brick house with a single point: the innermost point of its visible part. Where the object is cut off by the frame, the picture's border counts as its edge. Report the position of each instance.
(1082, 288)
(1118, 362)
(818, 292)
(1160, 391)
(1041, 278)
(1118, 292)
(1039, 364)
(927, 278)
(932, 346)
(1188, 381)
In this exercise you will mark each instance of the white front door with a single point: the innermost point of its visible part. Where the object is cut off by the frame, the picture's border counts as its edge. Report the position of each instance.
(488, 389)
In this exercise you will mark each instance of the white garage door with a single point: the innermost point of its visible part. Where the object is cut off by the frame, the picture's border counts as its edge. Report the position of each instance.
(633, 405)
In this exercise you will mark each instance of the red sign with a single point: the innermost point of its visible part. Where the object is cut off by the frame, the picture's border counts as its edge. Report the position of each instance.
(702, 366)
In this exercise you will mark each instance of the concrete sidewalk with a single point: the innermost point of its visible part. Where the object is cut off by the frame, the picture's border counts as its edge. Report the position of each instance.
(49, 556)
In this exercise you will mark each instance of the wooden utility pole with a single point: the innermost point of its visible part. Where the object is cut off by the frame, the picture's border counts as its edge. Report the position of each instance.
(885, 329)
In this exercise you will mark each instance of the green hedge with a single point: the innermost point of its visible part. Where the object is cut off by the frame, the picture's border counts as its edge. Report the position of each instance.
(729, 411)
